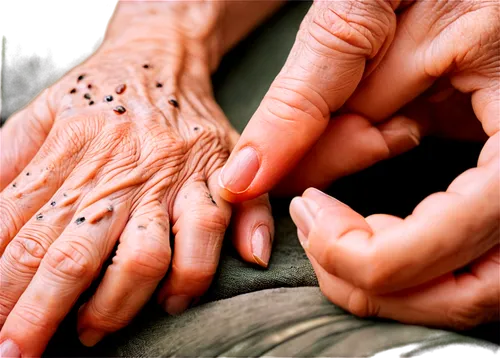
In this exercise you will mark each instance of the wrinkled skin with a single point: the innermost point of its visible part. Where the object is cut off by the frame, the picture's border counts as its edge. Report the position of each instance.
(100, 178)
(365, 81)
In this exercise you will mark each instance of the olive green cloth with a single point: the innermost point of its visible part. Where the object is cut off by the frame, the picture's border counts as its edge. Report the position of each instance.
(249, 311)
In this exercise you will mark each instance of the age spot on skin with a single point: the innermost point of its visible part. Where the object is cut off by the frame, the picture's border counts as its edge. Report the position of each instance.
(28, 174)
(86, 96)
(120, 89)
(108, 98)
(39, 217)
(196, 128)
(146, 66)
(81, 77)
(52, 203)
(73, 91)
(173, 102)
(119, 110)
(159, 85)
(89, 86)
(141, 227)
(65, 195)
(91, 103)
(110, 208)
(80, 220)
(211, 199)
(14, 185)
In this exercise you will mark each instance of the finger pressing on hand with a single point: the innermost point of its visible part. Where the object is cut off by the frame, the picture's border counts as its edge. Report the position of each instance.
(454, 300)
(200, 221)
(378, 254)
(68, 268)
(141, 261)
(323, 69)
(22, 135)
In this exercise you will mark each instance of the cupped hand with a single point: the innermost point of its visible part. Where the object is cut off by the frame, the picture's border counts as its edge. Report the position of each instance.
(372, 60)
(125, 149)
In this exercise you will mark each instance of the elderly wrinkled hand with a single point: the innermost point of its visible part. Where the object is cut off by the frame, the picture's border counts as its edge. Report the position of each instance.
(396, 71)
(125, 149)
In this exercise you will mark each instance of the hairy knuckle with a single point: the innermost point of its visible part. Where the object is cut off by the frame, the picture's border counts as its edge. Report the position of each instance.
(352, 27)
(71, 261)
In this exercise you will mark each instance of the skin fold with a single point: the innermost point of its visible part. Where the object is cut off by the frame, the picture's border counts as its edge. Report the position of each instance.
(124, 151)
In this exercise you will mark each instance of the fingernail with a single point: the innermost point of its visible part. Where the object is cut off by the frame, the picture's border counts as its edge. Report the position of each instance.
(303, 211)
(91, 337)
(8, 349)
(261, 245)
(239, 172)
(320, 197)
(175, 305)
(302, 239)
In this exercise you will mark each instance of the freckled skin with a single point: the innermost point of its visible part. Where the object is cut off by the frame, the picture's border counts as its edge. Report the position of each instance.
(127, 169)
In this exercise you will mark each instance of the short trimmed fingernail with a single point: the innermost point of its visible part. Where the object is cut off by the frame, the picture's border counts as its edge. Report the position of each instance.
(175, 305)
(317, 195)
(303, 211)
(240, 171)
(8, 349)
(261, 245)
(90, 337)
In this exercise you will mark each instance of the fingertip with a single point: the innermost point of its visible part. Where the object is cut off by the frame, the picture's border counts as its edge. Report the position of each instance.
(90, 337)
(261, 245)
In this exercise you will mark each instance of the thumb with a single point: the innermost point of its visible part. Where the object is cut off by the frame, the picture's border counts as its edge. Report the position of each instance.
(323, 69)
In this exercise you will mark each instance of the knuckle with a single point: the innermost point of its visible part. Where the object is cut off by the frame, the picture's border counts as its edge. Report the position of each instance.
(105, 319)
(71, 261)
(211, 219)
(480, 307)
(352, 27)
(33, 315)
(28, 249)
(11, 220)
(360, 304)
(197, 272)
(294, 101)
(150, 260)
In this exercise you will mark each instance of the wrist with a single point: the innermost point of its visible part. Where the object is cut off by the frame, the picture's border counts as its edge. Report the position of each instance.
(179, 29)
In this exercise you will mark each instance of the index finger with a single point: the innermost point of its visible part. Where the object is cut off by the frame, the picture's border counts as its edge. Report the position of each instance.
(323, 69)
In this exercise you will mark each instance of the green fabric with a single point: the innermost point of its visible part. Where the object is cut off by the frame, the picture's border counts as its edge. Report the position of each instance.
(246, 316)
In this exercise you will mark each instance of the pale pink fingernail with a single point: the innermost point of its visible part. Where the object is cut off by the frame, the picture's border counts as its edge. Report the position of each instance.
(261, 245)
(8, 349)
(90, 337)
(303, 212)
(175, 305)
(240, 170)
(318, 196)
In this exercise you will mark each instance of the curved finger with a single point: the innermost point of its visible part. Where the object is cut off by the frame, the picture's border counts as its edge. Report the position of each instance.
(66, 271)
(22, 135)
(452, 301)
(141, 261)
(323, 69)
(199, 226)
(443, 234)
